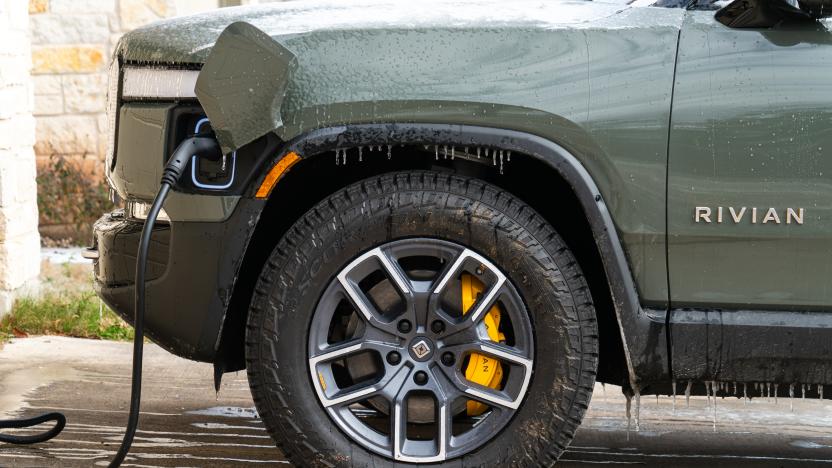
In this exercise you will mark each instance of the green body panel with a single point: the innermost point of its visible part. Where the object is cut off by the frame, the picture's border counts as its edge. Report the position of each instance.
(752, 127)
(594, 78)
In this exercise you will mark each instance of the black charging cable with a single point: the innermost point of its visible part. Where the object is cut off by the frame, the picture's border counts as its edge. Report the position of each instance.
(60, 422)
(204, 146)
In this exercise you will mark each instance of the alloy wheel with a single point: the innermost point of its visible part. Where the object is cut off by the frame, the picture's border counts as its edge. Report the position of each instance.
(421, 350)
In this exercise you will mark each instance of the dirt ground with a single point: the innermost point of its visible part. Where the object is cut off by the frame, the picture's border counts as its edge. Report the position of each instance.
(185, 423)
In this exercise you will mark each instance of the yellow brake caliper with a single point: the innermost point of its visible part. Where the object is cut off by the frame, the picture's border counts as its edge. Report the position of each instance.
(481, 369)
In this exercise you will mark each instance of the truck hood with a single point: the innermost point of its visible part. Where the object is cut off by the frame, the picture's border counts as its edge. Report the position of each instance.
(188, 39)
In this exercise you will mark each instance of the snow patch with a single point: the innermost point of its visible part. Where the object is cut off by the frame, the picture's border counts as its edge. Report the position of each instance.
(227, 412)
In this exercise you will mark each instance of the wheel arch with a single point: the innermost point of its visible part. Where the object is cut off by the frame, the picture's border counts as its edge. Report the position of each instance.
(633, 337)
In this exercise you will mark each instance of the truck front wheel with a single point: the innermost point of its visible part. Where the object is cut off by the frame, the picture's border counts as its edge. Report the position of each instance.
(421, 317)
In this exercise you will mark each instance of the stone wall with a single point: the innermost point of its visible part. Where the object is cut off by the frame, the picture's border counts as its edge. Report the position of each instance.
(72, 42)
(19, 240)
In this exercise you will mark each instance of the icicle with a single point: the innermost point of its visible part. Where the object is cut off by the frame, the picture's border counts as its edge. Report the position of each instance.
(768, 392)
(337, 155)
(775, 392)
(735, 388)
(687, 393)
(493, 156)
(708, 391)
(802, 391)
(714, 408)
(501, 161)
(629, 414)
(820, 391)
(453, 150)
(791, 397)
(360, 153)
(478, 152)
(344, 155)
(673, 385)
(638, 410)
(436, 150)
(389, 152)
(745, 392)
(445, 151)
(508, 156)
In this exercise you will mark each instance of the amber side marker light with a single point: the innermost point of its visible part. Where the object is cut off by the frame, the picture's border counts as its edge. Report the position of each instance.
(276, 173)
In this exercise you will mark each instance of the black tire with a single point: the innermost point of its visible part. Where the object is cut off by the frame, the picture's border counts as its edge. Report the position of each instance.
(403, 205)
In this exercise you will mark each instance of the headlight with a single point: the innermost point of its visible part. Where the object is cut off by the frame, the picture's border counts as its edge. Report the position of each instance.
(158, 83)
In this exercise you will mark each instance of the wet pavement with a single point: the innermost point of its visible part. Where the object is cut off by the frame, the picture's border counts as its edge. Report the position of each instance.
(184, 423)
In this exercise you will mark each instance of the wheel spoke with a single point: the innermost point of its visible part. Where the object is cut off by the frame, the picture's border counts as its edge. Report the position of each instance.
(484, 303)
(359, 301)
(362, 303)
(393, 270)
(445, 426)
(509, 398)
(325, 385)
(429, 451)
(398, 428)
(452, 270)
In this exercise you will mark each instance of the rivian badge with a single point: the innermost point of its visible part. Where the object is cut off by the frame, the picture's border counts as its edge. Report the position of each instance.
(420, 349)
(745, 215)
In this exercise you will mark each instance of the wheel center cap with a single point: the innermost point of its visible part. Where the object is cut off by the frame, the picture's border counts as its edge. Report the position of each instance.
(421, 348)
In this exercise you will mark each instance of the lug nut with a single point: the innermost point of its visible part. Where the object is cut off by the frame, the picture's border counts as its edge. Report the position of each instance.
(405, 326)
(393, 358)
(437, 326)
(448, 358)
(420, 378)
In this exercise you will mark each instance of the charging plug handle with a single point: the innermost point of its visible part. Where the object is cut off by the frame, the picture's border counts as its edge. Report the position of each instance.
(204, 147)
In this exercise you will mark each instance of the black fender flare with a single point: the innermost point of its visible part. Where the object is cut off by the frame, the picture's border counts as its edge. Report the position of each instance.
(642, 332)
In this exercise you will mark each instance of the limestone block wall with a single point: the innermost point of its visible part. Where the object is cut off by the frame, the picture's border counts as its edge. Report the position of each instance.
(72, 42)
(19, 239)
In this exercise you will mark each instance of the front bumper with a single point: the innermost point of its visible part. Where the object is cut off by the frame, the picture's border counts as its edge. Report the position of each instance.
(194, 259)
(192, 267)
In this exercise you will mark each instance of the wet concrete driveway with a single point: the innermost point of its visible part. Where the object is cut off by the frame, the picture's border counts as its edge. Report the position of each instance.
(185, 423)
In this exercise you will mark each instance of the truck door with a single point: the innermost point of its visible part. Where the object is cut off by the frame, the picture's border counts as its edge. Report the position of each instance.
(749, 190)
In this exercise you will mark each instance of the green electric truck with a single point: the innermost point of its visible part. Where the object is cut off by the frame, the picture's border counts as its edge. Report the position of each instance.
(436, 224)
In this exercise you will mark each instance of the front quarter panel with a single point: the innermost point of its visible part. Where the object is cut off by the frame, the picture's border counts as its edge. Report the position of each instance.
(600, 89)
